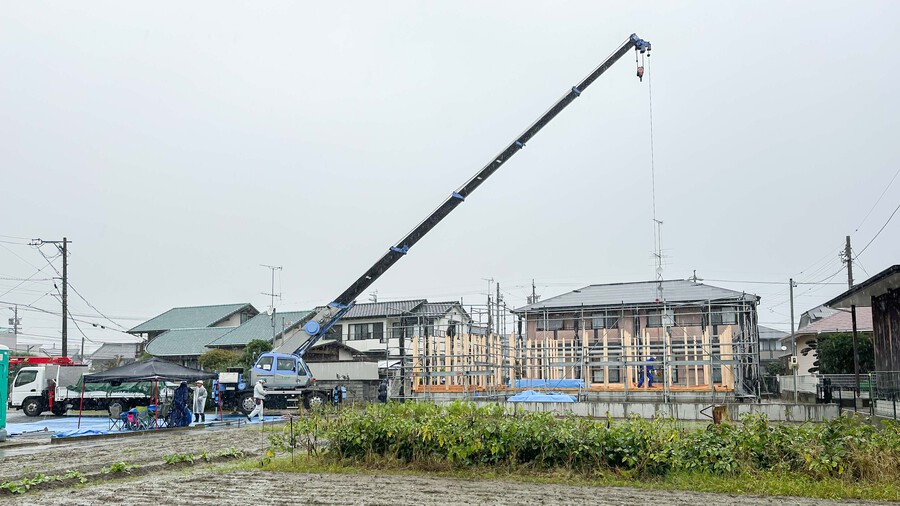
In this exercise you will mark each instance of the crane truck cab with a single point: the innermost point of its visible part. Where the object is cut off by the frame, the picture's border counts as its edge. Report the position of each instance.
(281, 371)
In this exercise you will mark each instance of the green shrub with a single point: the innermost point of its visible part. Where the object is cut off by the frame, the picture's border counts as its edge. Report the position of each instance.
(464, 435)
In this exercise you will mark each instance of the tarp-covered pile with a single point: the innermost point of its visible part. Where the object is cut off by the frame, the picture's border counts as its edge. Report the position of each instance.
(532, 396)
(549, 383)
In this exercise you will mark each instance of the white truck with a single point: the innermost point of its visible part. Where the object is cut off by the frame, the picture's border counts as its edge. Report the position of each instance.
(41, 387)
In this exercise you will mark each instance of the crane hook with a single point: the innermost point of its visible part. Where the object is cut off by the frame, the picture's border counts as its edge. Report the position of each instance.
(640, 73)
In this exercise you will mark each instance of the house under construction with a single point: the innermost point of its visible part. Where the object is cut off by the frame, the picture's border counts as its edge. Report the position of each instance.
(664, 337)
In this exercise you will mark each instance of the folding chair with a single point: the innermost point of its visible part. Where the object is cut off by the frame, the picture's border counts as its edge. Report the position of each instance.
(116, 422)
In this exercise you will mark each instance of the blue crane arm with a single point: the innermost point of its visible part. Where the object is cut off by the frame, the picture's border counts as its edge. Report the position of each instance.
(319, 324)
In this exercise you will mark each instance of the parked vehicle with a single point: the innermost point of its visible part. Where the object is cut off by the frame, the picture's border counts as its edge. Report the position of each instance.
(56, 386)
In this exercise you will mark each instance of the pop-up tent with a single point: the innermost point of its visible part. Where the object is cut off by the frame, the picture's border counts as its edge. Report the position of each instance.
(153, 370)
(149, 370)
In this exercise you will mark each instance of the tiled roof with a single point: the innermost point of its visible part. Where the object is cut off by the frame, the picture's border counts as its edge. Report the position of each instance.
(260, 327)
(191, 317)
(383, 309)
(185, 342)
(638, 293)
(840, 321)
(770, 333)
(437, 308)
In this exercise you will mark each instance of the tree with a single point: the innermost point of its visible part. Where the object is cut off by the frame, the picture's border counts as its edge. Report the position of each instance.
(775, 368)
(252, 351)
(219, 360)
(836, 353)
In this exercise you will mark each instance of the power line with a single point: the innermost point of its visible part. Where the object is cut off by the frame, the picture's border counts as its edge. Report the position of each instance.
(879, 200)
(879, 231)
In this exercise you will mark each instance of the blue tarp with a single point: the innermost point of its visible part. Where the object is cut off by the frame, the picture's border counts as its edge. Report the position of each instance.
(532, 396)
(67, 426)
(553, 383)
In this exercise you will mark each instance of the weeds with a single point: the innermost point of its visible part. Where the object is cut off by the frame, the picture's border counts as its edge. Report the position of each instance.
(465, 435)
(23, 485)
(121, 467)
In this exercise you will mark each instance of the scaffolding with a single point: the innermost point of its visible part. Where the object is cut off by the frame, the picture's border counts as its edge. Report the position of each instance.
(709, 347)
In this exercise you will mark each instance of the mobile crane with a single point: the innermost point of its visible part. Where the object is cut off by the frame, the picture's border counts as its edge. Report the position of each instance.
(285, 372)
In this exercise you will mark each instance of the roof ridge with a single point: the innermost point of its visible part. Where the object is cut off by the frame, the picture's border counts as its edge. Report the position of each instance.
(213, 305)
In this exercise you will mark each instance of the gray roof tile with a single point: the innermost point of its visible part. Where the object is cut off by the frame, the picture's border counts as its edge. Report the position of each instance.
(637, 293)
(383, 309)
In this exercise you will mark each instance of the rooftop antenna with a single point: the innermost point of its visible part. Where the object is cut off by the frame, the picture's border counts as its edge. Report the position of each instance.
(272, 294)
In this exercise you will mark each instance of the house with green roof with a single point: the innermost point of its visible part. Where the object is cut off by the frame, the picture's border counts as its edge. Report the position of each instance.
(182, 333)
(277, 326)
(195, 317)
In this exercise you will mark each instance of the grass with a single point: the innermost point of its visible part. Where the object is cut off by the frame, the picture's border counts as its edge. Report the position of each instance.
(763, 484)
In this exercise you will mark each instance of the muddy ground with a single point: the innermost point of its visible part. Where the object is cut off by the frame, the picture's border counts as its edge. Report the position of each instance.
(211, 484)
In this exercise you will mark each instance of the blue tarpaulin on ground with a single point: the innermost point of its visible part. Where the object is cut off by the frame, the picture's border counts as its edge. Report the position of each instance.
(67, 426)
(532, 396)
(552, 383)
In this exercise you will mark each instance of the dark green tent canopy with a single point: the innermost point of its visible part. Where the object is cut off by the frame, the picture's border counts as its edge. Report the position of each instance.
(149, 370)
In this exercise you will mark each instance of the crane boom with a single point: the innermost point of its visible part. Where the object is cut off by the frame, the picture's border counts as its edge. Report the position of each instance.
(328, 316)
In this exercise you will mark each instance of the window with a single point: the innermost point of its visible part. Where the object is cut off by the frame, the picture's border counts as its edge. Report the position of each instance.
(25, 377)
(286, 364)
(604, 321)
(451, 329)
(396, 330)
(614, 372)
(359, 331)
(549, 324)
(598, 375)
(265, 363)
(724, 316)
(658, 317)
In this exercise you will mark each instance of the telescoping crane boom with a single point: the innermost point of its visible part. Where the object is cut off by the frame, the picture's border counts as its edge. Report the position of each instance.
(325, 318)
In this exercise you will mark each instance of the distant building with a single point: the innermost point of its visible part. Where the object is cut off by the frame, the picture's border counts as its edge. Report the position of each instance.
(695, 336)
(770, 344)
(377, 328)
(182, 333)
(195, 317)
(111, 355)
(838, 321)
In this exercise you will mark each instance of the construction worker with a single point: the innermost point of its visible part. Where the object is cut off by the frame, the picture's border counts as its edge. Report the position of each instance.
(199, 402)
(259, 395)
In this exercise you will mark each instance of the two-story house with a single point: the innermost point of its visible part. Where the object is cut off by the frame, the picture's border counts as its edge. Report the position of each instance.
(696, 337)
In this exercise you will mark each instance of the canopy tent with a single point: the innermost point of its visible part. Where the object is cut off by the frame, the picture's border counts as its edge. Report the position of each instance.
(149, 370)
(153, 370)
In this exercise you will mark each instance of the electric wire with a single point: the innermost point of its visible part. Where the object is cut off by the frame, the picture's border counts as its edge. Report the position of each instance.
(877, 201)
(879, 231)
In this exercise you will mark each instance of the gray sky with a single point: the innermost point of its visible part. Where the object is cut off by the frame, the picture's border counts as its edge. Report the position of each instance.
(180, 145)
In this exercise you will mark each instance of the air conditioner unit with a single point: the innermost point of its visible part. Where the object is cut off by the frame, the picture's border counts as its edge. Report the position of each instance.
(793, 361)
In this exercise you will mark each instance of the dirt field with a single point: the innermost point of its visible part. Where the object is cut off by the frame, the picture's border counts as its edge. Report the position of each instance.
(209, 484)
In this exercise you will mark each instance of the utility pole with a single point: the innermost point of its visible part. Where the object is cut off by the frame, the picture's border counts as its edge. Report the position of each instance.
(65, 299)
(490, 323)
(15, 324)
(497, 303)
(848, 257)
(65, 282)
(794, 344)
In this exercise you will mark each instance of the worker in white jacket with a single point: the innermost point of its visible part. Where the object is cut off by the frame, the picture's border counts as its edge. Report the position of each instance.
(259, 395)
(199, 402)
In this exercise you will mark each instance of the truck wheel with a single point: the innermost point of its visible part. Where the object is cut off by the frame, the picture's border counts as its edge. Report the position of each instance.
(116, 408)
(246, 404)
(32, 406)
(315, 400)
(59, 409)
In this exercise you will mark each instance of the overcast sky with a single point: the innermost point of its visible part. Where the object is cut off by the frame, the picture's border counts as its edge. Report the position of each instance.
(180, 145)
